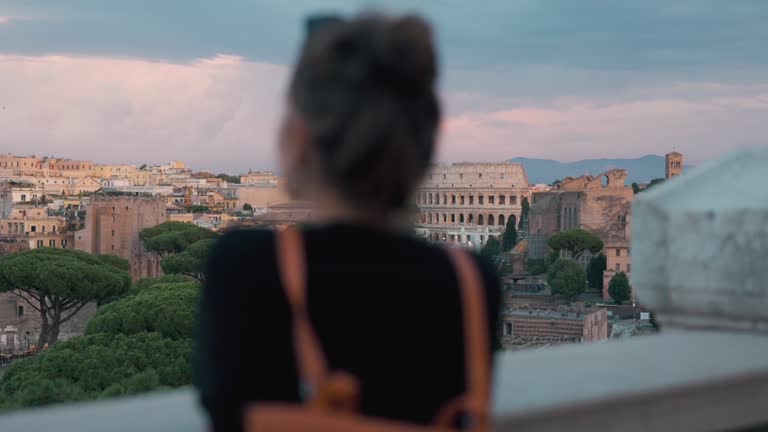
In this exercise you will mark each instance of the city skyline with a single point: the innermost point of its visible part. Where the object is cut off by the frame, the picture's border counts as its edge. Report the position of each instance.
(146, 83)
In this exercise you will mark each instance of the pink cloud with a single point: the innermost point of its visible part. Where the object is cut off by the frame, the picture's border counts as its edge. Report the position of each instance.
(705, 125)
(4, 19)
(217, 112)
(222, 113)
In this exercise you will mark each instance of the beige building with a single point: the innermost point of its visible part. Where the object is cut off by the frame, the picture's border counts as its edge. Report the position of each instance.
(466, 203)
(617, 253)
(260, 196)
(259, 178)
(32, 228)
(112, 226)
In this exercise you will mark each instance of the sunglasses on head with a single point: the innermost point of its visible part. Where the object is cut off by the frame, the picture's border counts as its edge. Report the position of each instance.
(316, 23)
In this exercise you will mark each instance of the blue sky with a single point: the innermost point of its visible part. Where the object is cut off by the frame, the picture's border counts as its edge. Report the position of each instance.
(201, 81)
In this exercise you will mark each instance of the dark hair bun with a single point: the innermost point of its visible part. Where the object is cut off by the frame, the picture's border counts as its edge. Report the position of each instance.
(366, 88)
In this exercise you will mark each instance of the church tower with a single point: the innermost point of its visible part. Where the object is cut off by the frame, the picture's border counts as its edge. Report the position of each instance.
(674, 166)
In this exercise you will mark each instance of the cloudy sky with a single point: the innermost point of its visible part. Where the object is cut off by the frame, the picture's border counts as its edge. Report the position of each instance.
(203, 81)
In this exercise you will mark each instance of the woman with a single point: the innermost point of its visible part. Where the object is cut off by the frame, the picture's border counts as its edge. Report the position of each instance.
(357, 138)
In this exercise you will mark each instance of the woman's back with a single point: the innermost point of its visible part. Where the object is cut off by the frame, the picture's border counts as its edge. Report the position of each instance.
(386, 308)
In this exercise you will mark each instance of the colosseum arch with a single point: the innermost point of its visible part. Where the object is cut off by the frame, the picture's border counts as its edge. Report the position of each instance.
(501, 219)
(437, 217)
(430, 198)
(444, 218)
(490, 219)
(461, 217)
(430, 218)
(480, 219)
(471, 218)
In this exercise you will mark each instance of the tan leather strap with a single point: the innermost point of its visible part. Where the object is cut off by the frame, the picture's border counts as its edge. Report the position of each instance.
(291, 262)
(475, 400)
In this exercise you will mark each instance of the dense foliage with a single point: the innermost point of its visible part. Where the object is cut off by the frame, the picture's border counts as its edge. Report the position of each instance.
(595, 269)
(173, 237)
(525, 210)
(190, 262)
(166, 308)
(247, 207)
(576, 241)
(229, 178)
(491, 248)
(58, 283)
(536, 266)
(509, 238)
(141, 342)
(618, 288)
(97, 366)
(567, 278)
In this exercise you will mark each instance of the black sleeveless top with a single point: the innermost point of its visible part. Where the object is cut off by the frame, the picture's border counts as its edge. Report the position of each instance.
(386, 307)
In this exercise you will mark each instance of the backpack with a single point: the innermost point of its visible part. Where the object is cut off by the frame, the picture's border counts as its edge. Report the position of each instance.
(330, 398)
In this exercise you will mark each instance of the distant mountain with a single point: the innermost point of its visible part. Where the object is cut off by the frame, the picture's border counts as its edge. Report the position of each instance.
(642, 169)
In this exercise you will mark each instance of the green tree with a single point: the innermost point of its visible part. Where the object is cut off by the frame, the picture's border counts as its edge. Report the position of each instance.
(536, 266)
(147, 283)
(636, 188)
(58, 283)
(525, 210)
(194, 208)
(576, 241)
(247, 207)
(567, 278)
(191, 261)
(618, 288)
(97, 366)
(509, 238)
(654, 182)
(595, 269)
(165, 308)
(554, 255)
(491, 248)
(229, 178)
(173, 237)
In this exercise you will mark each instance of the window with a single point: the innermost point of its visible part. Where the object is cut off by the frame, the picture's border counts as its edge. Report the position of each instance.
(502, 199)
(507, 329)
(618, 252)
(462, 200)
(39, 243)
(629, 268)
(52, 243)
(461, 176)
(33, 228)
(453, 217)
(461, 218)
(491, 199)
(113, 233)
(453, 199)
(480, 175)
(63, 243)
(444, 176)
(23, 197)
(20, 311)
(618, 267)
(512, 199)
(480, 200)
(471, 199)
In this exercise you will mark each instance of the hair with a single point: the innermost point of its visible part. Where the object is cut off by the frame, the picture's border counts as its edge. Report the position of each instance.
(366, 91)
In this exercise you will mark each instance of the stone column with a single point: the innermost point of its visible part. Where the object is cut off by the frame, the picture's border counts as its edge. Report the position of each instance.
(700, 245)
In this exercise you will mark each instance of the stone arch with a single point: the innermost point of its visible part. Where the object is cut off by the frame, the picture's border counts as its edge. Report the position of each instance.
(490, 219)
(604, 180)
(437, 217)
(501, 219)
(461, 217)
(430, 198)
(430, 218)
(445, 219)
(480, 219)
(471, 218)
(453, 217)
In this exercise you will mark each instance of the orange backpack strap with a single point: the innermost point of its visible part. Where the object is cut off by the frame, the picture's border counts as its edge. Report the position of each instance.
(475, 400)
(291, 262)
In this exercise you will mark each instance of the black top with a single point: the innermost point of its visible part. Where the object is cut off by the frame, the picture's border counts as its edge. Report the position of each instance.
(386, 308)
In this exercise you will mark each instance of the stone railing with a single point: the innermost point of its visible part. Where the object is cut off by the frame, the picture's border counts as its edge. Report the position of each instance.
(698, 259)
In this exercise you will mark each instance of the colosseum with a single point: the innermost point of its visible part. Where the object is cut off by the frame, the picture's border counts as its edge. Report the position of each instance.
(467, 203)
